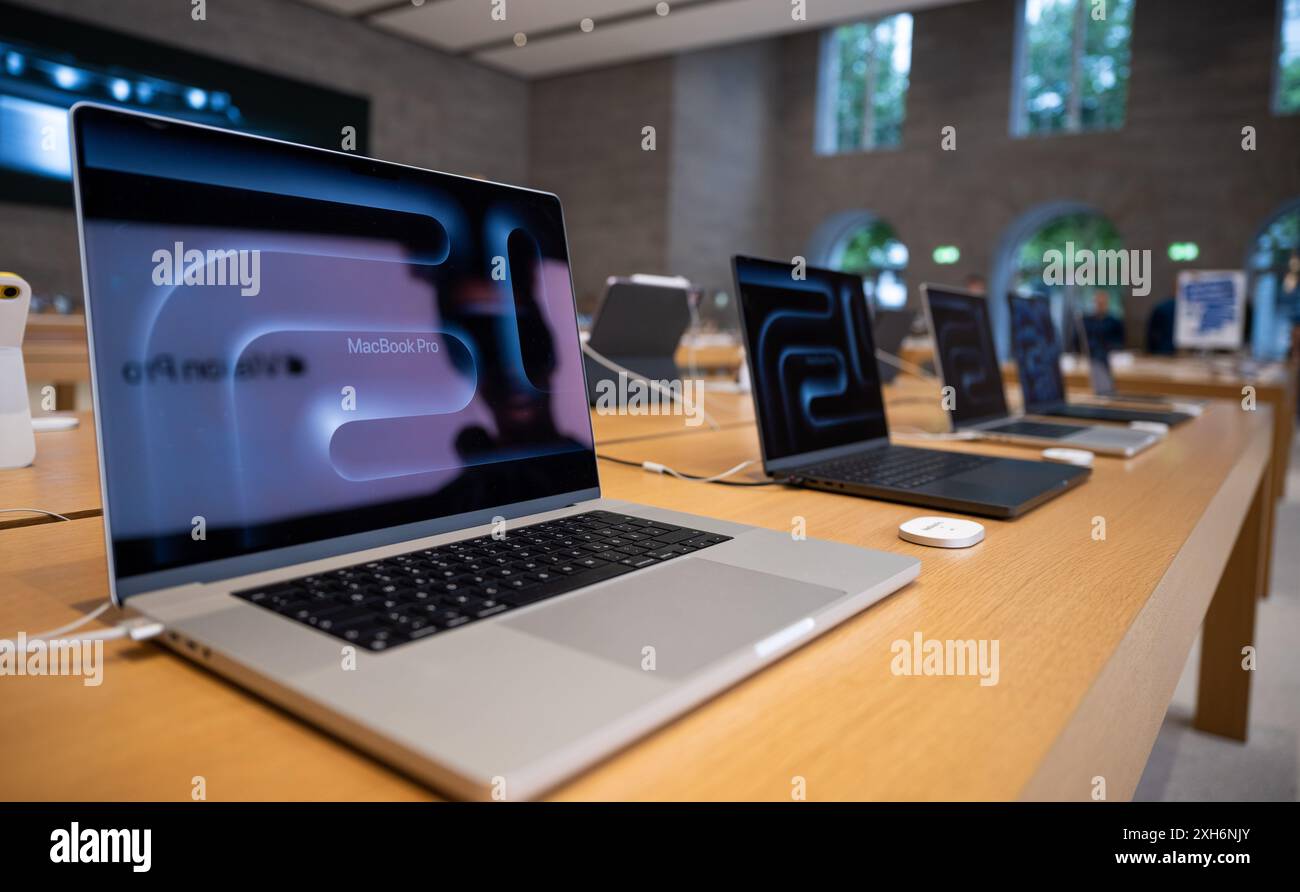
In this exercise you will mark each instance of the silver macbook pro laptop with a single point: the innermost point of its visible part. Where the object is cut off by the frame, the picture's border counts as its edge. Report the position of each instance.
(967, 361)
(347, 461)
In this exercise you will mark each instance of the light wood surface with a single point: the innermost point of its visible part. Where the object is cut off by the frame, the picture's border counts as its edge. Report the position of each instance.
(1088, 632)
(1275, 385)
(719, 357)
(63, 479)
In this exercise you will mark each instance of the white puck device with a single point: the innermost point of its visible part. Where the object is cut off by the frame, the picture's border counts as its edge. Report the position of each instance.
(1081, 457)
(942, 532)
(55, 423)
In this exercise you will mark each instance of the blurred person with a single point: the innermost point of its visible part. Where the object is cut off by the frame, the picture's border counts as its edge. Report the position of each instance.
(1105, 330)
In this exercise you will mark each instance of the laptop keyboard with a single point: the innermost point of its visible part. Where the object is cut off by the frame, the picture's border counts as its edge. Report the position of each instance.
(1034, 429)
(380, 604)
(897, 467)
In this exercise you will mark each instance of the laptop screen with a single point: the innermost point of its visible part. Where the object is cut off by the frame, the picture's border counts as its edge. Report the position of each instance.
(1037, 352)
(968, 360)
(294, 346)
(811, 351)
(640, 320)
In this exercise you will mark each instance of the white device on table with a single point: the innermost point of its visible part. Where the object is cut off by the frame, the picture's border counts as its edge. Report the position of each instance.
(1081, 457)
(942, 532)
(17, 443)
(1151, 427)
(55, 423)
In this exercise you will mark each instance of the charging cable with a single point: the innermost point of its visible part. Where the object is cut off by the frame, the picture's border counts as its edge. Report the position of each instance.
(655, 467)
(653, 384)
(33, 511)
(138, 629)
(135, 628)
(904, 366)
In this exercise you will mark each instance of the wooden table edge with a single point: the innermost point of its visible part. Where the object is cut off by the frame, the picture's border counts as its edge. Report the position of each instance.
(1114, 728)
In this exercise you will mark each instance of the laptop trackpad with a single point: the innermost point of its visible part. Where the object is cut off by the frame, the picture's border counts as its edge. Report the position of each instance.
(692, 612)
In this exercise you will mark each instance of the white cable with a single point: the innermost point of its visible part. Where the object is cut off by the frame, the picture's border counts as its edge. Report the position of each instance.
(903, 365)
(654, 385)
(656, 468)
(33, 511)
(137, 629)
(77, 623)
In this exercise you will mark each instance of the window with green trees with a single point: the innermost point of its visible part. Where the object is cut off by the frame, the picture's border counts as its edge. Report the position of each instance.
(1286, 92)
(1072, 74)
(862, 94)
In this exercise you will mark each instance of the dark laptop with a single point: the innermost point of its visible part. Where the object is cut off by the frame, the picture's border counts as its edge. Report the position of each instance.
(638, 327)
(967, 360)
(1038, 359)
(821, 415)
(1103, 387)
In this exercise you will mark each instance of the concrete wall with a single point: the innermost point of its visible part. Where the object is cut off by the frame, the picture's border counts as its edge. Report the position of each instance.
(426, 108)
(586, 146)
(723, 196)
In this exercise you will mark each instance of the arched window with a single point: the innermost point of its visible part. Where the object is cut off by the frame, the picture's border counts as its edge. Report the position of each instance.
(862, 243)
(1273, 265)
(1024, 256)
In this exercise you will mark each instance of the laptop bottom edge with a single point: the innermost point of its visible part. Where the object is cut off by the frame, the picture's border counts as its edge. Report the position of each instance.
(924, 500)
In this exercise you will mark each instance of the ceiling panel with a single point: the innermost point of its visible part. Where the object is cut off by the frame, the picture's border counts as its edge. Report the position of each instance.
(688, 27)
(461, 24)
(624, 30)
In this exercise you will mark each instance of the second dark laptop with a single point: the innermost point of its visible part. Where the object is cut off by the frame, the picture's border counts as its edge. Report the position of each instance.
(638, 327)
(1038, 359)
(821, 413)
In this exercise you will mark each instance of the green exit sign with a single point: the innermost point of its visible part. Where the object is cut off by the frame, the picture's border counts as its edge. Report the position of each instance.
(945, 255)
(1182, 252)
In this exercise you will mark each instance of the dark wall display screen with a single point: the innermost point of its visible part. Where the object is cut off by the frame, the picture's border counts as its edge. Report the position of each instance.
(48, 64)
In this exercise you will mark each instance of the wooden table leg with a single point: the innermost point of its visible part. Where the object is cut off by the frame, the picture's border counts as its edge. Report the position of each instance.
(1223, 695)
